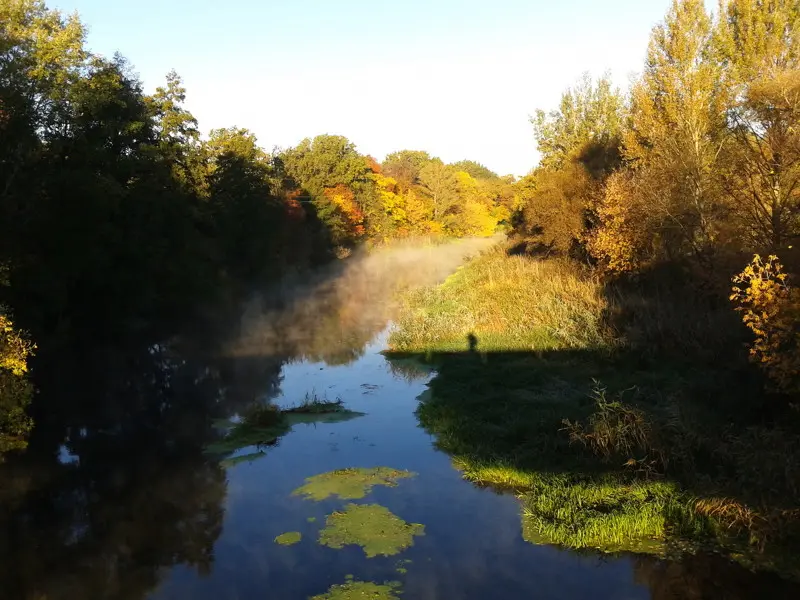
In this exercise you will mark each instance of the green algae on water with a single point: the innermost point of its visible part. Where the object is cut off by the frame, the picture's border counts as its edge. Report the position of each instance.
(311, 519)
(362, 590)
(375, 528)
(401, 566)
(349, 484)
(289, 538)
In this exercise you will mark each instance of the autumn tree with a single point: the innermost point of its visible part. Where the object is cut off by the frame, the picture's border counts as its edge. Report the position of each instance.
(625, 235)
(553, 216)
(678, 129)
(579, 147)
(759, 46)
(324, 167)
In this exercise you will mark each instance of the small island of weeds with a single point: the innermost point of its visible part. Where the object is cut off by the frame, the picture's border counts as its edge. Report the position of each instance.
(592, 401)
(262, 425)
(375, 528)
(349, 484)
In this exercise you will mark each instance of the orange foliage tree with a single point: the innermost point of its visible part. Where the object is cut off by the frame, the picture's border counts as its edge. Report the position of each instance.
(344, 218)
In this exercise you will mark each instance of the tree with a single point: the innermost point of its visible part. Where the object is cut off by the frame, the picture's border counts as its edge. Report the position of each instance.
(474, 169)
(587, 124)
(622, 239)
(404, 167)
(175, 127)
(325, 162)
(762, 174)
(246, 217)
(554, 210)
(440, 184)
(678, 128)
(759, 46)
(324, 167)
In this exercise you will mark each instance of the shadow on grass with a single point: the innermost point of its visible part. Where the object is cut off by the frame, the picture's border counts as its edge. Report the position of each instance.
(619, 452)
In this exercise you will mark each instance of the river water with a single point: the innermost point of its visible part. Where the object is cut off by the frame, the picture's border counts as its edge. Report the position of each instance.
(126, 503)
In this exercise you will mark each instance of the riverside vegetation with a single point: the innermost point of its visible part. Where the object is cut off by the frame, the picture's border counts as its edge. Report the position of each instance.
(628, 363)
(611, 441)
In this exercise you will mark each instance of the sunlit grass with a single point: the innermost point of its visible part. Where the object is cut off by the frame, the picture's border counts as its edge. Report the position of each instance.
(507, 303)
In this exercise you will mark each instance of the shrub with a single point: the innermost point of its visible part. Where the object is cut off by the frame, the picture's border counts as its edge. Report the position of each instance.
(15, 390)
(770, 308)
(616, 429)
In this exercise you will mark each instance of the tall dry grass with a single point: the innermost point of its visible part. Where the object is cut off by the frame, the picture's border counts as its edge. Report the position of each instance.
(509, 303)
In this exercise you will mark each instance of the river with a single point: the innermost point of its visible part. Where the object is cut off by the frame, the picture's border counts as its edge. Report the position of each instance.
(126, 502)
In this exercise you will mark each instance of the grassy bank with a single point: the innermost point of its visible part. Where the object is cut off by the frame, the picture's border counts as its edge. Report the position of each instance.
(593, 405)
(491, 300)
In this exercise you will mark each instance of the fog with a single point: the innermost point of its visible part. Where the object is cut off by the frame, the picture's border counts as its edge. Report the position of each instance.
(332, 313)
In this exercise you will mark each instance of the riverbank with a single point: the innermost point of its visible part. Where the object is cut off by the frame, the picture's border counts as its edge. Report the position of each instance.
(612, 414)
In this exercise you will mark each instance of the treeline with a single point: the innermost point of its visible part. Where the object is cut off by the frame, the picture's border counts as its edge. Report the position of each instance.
(116, 215)
(409, 194)
(697, 164)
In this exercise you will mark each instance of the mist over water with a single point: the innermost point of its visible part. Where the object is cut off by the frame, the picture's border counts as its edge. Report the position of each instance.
(335, 311)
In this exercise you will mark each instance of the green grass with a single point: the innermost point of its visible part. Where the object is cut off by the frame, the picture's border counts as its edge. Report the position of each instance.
(608, 446)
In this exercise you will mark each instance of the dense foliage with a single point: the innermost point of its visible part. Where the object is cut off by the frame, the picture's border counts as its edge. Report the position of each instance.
(697, 165)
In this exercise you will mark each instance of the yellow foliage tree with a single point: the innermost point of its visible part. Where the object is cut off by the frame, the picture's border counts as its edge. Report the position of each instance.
(621, 241)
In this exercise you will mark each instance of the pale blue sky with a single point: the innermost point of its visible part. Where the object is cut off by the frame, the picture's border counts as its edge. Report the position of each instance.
(456, 78)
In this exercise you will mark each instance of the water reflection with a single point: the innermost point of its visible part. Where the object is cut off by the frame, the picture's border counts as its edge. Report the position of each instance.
(115, 486)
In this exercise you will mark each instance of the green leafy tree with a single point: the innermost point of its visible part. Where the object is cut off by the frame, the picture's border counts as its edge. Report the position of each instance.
(440, 184)
(587, 125)
(474, 169)
(404, 167)
(325, 162)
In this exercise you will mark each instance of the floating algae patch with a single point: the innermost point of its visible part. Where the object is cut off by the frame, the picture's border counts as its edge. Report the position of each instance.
(362, 590)
(373, 527)
(349, 484)
(289, 538)
(311, 519)
(401, 566)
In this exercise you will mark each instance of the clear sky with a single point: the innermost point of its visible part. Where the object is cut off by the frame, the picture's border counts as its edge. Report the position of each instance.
(458, 78)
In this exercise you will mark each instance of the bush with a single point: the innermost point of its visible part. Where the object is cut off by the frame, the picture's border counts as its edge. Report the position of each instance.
(617, 429)
(770, 308)
(15, 390)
